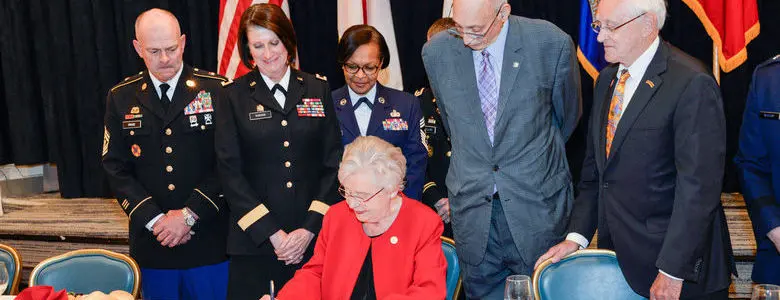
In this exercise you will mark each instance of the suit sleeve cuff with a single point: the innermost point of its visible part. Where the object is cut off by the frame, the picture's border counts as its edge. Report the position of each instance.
(670, 276)
(202, 205)
(317, 211)
(143, 212)
(431, 194)
(150, 226)
(578, 238)
(259, 224)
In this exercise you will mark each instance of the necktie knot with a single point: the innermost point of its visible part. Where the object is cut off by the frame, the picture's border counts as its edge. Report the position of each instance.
(278, 87)
(363, 100)
(624, 75)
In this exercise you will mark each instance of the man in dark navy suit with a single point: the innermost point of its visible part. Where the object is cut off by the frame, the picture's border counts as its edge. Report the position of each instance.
(759, 163)
(365, 107)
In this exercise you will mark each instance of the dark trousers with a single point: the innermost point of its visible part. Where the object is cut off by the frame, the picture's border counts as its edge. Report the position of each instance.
(719, 295)
(487, 279)
(250, 275)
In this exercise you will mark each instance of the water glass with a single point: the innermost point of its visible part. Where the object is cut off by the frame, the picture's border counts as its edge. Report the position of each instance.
(766, 292)
(518, 287)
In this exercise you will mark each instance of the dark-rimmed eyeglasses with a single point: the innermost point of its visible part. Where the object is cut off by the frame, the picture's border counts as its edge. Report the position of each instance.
(367, 69)
(596, 25)
(353, 197)
(458, 32)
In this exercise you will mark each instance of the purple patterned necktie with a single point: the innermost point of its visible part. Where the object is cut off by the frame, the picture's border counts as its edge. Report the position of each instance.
(488, 93)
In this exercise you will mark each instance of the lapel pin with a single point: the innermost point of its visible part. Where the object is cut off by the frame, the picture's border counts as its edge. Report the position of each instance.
(321, 77)
(393, 240)
(395, 114)
(135, 110)
(381, 100)
(190, 83)
(300, 78)
(515, 64)
(260, 107)
(343, 101)
(419, 92)
(143, 86)
(252, 84)
(650, 83)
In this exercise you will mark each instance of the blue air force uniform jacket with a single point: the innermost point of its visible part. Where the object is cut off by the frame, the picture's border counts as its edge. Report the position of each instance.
(397, 119)
(758, 160)
(157, 161)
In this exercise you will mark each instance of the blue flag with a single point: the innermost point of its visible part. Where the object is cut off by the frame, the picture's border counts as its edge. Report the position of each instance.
(590, 52)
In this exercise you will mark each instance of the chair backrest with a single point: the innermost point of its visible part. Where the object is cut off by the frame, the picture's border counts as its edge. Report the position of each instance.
(453, 268)
(585, 274)
(88, 270)
(13, 262)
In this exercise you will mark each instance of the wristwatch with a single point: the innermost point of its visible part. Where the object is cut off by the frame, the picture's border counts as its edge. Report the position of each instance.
(189, 219)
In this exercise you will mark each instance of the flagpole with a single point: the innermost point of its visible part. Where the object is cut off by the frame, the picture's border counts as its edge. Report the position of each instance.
(715, 66)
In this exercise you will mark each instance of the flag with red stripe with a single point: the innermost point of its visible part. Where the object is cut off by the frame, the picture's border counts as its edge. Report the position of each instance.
(228, 61)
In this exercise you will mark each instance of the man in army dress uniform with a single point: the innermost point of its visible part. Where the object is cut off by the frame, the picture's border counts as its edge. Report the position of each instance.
(158, 153)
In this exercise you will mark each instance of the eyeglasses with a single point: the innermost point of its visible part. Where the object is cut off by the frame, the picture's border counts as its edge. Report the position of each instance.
(475, 37)
(596, 25)
(352, 196)
(367, 69)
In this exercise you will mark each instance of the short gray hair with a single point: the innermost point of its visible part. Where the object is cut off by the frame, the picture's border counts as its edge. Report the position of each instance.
(386, 161)
(657, 7)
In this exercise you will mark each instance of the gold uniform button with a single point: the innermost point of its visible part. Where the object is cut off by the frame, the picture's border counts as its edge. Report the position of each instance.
(287, 164)
(449, 153)
(202, 127)
(286, 144)
(168, 131)
(284, 122)
(169, 169)
(168, 150)
(289, 184)
(171, 187)
(132, 132)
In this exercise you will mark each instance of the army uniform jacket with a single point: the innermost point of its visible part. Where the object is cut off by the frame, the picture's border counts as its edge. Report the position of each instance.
(439, 153)
(157, 161)
(278, 164)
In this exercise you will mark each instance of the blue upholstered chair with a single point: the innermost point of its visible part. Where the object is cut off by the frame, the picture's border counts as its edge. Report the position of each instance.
(453, 268)
(13, 262)
(88, 270)
(585, 274)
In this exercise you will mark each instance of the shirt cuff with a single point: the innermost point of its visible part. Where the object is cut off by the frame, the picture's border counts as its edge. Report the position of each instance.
(670, 276)
(578, 238)
(150, 225)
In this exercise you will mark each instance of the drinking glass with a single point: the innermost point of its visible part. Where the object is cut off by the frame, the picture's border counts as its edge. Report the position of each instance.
(766, 292)
(518, 287)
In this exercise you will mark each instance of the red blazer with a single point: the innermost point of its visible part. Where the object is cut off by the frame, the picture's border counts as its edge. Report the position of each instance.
(408, 260)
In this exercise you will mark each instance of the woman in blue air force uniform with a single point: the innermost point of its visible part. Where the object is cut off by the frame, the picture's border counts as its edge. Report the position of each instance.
(365, 107)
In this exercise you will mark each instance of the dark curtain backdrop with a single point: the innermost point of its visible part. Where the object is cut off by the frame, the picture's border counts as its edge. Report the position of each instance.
(59, 58)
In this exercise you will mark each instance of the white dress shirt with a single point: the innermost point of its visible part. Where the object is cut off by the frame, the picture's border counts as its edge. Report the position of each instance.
(636, 72)
(172, 83)
(284, 82)
(362, 113)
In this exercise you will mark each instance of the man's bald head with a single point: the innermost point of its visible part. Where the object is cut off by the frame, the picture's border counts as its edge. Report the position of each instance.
(159, 42)
(481, 17)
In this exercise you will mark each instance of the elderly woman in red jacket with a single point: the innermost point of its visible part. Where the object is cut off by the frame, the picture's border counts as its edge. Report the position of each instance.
(377, 244)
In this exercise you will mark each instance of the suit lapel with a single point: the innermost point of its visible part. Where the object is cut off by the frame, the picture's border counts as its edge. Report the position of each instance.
(186, 91)
(466, 75)
(262, 94)
(642, 96)
(345, 112)
(601, 111)
(294, 91)
(149, 99)
(513, 58)
(380, 111)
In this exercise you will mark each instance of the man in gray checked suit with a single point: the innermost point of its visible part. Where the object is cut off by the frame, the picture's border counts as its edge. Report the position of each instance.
(509, 93)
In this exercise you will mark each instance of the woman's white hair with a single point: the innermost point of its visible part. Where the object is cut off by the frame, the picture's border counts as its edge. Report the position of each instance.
(371, 153)
(657, 7)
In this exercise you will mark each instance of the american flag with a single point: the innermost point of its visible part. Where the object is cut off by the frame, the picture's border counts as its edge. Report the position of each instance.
(228, 61)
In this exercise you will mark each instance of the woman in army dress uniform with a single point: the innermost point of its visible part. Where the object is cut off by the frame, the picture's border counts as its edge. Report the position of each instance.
(278, 151)
(365, 107)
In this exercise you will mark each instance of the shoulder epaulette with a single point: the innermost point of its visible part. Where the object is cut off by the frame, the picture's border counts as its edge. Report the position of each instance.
(128, 80)
(210, 75)
(770, 61)
(419, 92)
(321, 77)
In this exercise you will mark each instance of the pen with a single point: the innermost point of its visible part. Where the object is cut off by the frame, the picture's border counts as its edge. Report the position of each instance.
(273, 296)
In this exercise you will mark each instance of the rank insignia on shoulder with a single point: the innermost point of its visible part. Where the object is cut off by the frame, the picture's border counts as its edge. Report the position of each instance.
(381, 100)
(321, 77)
(419, 92)
(395, 114)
